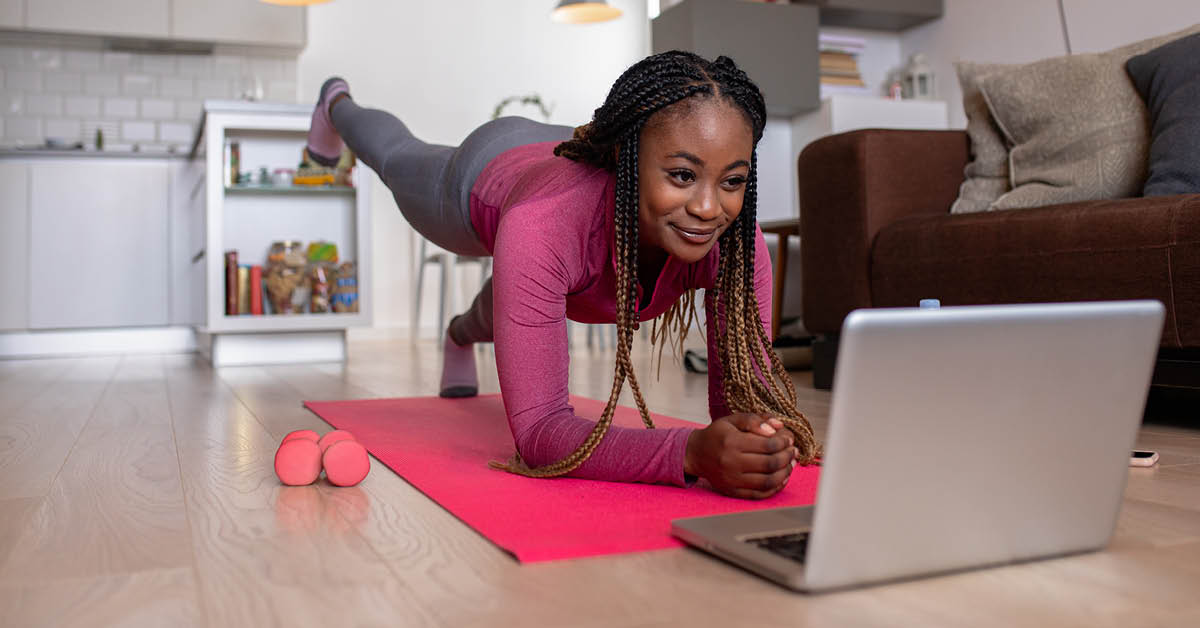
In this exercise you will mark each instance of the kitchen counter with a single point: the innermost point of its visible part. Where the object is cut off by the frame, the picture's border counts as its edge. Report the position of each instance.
(60, 153)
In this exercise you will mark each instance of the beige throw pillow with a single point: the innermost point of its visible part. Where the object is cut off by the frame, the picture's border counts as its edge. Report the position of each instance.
(1077, 128)
(987, 172)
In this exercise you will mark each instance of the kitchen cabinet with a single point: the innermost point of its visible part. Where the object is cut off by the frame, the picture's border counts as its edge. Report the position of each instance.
(98, 243)
(14, 245)
(126, 18)
(238, 21)
(10, 13)
(186, 226)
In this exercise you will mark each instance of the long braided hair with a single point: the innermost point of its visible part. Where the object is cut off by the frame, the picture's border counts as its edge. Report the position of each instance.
(611, 141)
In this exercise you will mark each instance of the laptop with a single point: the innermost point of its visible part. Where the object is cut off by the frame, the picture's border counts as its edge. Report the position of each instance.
(960, 437)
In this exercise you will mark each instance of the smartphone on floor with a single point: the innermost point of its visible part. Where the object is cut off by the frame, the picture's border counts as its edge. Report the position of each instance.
(1142, 458)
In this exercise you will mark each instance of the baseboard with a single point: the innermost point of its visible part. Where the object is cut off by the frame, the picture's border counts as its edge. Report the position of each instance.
(83, 342)
(242, 349)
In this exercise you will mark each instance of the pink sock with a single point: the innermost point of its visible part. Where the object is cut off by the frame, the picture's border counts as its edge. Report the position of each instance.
(324, 143)
(458, 370)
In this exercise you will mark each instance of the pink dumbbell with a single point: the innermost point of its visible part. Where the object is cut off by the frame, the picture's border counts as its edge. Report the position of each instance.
(302, 456)
(346, 462)
(332, 437)
(298, 459)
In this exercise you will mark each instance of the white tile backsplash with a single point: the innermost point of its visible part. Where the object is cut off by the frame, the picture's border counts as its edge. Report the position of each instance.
(158, 64)
(82, 106)
(138, 85)
(196, 66)
(45, 59)
(121, 61)
(175, 132)
(157, 109)
(69, 130)
(120, 108)
(107, 128)
(27, 80)
(281, 91)
(151, 100)
(12, 103)
(175, 87)
(12, 56)
(43, 104)
(24, 129)
(137, 131)
(228, 65)
(63, 82)
(101, 84)
(213, 88)
(188, 110)
(82, 60)
(266, 68)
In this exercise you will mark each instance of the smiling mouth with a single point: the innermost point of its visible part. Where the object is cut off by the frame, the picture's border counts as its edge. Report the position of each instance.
(694, 236)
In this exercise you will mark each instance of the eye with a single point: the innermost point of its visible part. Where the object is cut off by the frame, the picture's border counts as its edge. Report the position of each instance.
(733, 183)
(682, 175)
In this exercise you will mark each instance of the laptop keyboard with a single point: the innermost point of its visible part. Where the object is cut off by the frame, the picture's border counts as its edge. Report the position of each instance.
(791, 545)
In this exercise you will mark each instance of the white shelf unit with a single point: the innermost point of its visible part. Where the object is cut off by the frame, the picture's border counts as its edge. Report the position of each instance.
(250, 219)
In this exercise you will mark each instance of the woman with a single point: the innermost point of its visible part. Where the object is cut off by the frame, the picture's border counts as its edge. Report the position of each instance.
(620, 221)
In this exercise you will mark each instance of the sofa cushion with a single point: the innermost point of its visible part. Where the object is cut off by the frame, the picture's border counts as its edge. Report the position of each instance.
(1076, 126)
(1087, 251)
(1168, 80)
(987, 172)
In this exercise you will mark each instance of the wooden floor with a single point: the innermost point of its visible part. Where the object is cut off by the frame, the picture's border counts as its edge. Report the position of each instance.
(139, 491)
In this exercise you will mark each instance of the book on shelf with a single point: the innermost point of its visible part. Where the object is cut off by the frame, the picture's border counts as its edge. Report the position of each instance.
(837, 61)
(827, 42)
(243, 285)
(841, 73)
(850, 81)
(256, 305)
(231, 283)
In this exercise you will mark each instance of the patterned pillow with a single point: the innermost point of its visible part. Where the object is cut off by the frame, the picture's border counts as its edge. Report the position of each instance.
(987, 172)
(1076, 126)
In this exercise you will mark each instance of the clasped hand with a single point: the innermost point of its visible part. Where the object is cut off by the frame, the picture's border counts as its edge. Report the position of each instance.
(742, 455)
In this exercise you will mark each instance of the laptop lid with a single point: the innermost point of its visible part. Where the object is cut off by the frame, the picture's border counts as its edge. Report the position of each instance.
(966, 436)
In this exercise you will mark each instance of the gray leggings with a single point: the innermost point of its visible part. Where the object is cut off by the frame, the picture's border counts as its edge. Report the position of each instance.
(432, 184)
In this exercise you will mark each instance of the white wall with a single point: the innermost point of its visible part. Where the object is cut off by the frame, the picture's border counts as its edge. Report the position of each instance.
(442, 67)
(1019, 31)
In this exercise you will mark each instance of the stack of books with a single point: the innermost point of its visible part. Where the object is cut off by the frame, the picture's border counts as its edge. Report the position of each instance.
(839, 64)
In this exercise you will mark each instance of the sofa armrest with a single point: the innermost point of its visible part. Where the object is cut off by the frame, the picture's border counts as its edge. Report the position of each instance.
(854, 184)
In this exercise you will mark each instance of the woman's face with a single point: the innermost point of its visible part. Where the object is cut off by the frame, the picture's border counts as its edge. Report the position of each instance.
(693, 163)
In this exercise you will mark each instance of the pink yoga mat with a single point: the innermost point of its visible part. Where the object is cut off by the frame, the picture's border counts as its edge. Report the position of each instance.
(442, 447)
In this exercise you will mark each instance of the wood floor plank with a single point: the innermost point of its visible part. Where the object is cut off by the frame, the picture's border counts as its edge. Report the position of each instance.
(161, 597)
(268, 554)
(1174, 485)
(46, 416)
(22, 380)
(117, 506)
(465, 579)
(231, 547)
(1143, 524)
(15, 516)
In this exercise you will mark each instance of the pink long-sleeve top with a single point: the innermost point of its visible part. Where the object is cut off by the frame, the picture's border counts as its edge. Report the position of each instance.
(548, 222)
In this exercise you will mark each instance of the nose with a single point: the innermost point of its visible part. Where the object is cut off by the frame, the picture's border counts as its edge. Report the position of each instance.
(705, 204)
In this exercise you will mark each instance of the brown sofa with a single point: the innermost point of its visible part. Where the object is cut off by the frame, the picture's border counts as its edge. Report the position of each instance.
(876, 231)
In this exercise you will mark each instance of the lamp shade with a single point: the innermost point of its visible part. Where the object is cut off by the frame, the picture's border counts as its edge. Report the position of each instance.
(584, 11)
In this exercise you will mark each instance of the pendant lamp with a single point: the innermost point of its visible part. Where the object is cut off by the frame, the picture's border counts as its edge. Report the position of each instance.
(295, 3)
(584, 11)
